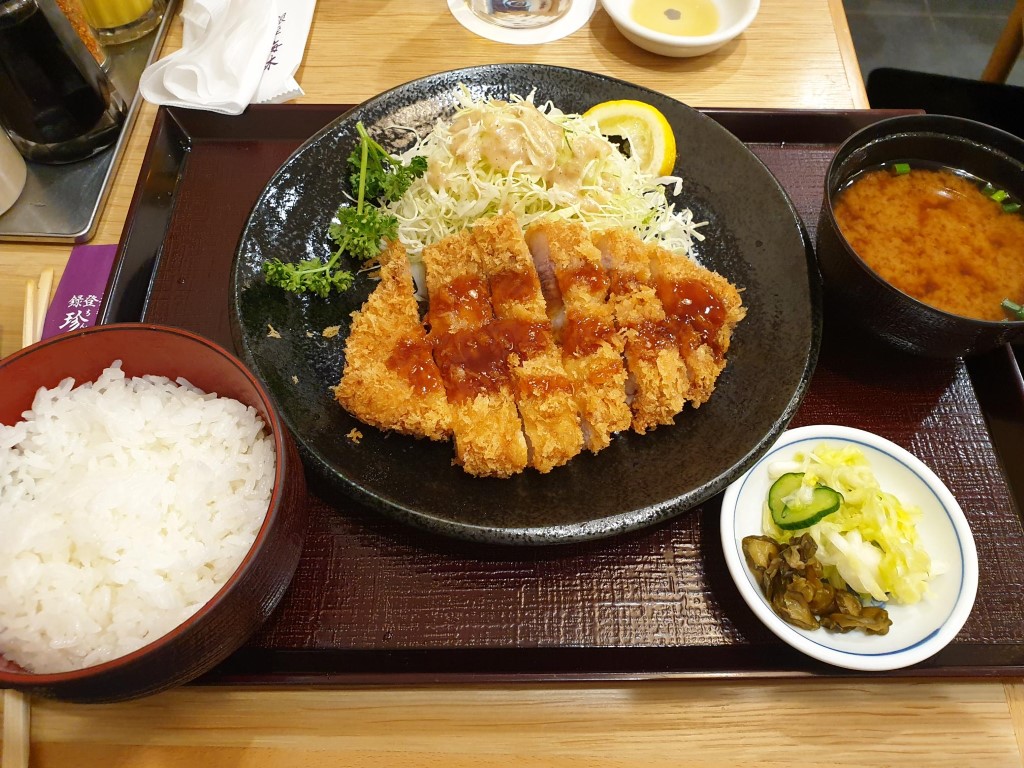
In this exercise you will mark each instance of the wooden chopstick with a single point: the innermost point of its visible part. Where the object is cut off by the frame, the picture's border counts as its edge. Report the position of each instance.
(42, 301)
(17, 730)
(37, 301)
(17, 733)
(28, 318)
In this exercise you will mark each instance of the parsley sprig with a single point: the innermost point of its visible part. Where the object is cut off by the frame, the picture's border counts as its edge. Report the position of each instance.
(380, 174)
(359, 229)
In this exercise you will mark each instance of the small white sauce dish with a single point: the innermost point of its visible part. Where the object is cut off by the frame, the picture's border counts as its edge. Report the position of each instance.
(918, 631)
(734, 17)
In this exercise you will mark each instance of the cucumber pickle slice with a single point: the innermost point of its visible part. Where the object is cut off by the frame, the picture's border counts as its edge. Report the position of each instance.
(798, 514)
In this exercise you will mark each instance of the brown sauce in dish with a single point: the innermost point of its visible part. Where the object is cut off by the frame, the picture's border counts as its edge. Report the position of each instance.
(695, 314)
(412, 360)
(934, 235)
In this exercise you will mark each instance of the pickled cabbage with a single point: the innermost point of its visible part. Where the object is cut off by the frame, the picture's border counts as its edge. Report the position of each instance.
(871, 543)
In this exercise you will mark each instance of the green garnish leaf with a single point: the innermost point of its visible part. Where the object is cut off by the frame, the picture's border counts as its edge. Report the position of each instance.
(359, 232)
(999, 195)
(988, 190)
(1011, 207)
(901, 169)
(310, 276)
(380, 174)
(359, 229)
(1013, 308)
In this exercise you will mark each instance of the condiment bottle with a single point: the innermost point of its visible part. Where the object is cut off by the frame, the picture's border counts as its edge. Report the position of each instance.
(56, 103)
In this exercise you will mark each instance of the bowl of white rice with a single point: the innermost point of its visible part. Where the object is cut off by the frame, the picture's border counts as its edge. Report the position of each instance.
(151, 511)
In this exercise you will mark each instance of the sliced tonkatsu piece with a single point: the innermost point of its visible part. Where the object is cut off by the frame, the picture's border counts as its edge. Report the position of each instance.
(702, 308)
(543, 391)
(473, 361)
(591, 348)
(390, 380)
(656, 369)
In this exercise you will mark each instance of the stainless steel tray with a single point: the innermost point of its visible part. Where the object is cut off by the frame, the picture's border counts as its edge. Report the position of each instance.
(62, 203)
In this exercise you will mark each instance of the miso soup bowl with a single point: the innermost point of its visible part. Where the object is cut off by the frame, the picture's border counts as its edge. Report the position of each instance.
(249, 596)
(855, 293)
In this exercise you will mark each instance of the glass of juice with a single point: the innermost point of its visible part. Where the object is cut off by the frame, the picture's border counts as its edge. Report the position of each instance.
(121, 21)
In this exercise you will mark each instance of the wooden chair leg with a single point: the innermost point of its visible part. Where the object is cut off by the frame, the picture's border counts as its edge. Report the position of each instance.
(1007, 48)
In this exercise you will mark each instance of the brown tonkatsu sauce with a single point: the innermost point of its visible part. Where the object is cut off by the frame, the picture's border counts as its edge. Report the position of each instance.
(694, 314)
(475, 360)
(542, 386)
(587, 274)
(653, 336)
(464, 300)
(584, 335)
(412, 360)
(513, 288)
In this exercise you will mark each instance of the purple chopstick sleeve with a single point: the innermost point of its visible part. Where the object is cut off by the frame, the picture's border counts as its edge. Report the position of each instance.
(80, 292)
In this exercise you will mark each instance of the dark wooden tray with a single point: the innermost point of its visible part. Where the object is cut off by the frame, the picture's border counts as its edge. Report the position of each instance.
(374, 601)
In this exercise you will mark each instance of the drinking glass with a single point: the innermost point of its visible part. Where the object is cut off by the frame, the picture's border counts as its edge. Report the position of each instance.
(121, 21)
(520, 14)
(12, 173)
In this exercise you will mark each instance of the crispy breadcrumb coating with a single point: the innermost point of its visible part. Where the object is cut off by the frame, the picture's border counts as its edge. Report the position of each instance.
(385, 340)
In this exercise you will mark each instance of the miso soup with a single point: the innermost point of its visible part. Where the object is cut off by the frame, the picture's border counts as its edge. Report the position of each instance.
(938, 234)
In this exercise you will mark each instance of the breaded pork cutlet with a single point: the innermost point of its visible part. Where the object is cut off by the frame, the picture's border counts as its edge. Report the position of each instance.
(543, 391)
(702, 308)
(390, 380)
(591, 348)
(656, 369)
(472, 360)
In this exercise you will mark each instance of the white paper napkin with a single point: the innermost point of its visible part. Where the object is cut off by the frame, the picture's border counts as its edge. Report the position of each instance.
(233, 53)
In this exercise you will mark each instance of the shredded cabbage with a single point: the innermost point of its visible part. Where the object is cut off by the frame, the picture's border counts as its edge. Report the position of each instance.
(870, 543)
(607, 188)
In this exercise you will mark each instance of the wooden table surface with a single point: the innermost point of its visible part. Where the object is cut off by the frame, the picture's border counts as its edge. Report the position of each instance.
(796, 54)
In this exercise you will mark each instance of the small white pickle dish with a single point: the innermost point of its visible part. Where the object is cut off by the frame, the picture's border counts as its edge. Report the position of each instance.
(734, 17)
(918, 631)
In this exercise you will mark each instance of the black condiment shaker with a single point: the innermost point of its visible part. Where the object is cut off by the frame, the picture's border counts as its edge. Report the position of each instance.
(56, 103)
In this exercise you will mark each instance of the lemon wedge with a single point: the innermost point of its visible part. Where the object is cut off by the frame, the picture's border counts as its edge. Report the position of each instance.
(649, 135)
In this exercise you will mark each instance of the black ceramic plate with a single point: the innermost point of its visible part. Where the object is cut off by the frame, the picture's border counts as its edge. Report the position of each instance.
(754, 238)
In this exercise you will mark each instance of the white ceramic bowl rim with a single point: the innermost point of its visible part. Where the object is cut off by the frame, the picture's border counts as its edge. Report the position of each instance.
(619, 11)
(904, 656)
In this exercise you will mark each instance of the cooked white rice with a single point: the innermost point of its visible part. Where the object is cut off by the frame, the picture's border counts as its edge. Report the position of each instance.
(125, 504)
